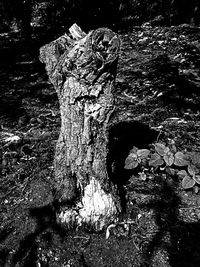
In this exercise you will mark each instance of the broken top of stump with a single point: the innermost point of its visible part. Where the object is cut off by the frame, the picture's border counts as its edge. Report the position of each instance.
(85, 56)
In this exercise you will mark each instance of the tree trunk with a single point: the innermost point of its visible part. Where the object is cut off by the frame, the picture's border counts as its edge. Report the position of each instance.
(82, 69)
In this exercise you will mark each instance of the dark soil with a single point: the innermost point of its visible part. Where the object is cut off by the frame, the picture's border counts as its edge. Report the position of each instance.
(157, 98)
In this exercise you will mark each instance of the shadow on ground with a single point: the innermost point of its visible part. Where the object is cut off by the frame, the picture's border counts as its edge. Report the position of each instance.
(180, 240)
(28, 249)
(122, 137)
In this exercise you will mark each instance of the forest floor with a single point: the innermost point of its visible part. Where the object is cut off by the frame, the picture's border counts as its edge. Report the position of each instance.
(157, 90)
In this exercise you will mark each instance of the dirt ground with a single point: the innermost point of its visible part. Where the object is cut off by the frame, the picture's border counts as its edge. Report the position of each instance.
(158, 98)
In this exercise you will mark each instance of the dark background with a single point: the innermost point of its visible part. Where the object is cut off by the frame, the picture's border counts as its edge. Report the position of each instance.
(31, 16)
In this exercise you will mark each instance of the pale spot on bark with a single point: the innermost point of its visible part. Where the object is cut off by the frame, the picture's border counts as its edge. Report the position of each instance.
(97, 208)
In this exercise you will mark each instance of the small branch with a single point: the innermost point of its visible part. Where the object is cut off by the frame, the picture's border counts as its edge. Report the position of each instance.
(76, 32)
(190, 208)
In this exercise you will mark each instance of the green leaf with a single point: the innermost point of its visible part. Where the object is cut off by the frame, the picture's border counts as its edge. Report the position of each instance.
(192, 170)
(161, 149)
(155, 160)
(169, 158)
(197, 179)
(182, 173)
(131, 162)
(143, 153)
(180, 159)
(188, 182)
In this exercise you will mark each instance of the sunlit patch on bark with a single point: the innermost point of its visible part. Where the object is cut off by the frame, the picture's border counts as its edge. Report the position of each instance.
(97, 208)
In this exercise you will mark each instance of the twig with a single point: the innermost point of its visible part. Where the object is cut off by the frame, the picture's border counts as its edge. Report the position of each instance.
(81, 237)
(188, 208)
(159, 135)
(25, 185)
(136, 246)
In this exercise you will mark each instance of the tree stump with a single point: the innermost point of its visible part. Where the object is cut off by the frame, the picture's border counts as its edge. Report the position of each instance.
(82, 69)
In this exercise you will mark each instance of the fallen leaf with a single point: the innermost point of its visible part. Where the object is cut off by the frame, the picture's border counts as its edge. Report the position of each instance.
(192, 169)
(182, 173)
(197, 179)
(188, 182)
(143, 176)
(196, 189)
(170, 171)
(108, 230)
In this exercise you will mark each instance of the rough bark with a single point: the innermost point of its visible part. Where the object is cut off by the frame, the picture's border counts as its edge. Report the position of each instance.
(82, 69)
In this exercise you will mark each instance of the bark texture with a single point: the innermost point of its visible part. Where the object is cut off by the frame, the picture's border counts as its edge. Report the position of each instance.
(82, 68)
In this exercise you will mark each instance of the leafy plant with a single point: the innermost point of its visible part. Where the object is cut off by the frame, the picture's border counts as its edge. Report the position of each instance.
(135, 157)
(159, 158)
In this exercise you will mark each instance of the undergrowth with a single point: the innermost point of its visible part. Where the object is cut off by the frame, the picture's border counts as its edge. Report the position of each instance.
(163, 158)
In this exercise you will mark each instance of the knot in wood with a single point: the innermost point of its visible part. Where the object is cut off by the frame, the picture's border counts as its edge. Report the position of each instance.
(105, 46)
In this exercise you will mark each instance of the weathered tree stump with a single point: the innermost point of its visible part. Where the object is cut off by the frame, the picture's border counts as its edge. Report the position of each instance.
(82, 69)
